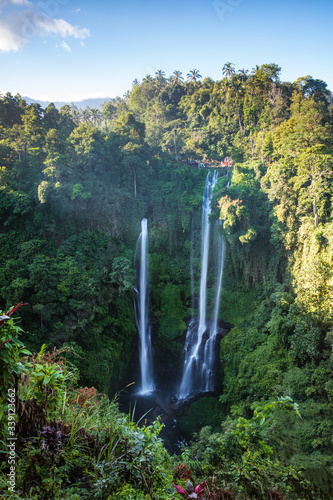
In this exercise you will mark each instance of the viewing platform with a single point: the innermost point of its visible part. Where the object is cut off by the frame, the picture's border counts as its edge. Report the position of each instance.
(224, 164)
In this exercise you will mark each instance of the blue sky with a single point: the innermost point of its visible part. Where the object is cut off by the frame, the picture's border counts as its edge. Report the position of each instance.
(71, 49)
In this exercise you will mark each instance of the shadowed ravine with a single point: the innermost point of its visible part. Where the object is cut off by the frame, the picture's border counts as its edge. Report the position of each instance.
(168, 399)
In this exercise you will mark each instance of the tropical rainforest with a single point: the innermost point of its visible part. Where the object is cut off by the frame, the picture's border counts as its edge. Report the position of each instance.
(74, 186)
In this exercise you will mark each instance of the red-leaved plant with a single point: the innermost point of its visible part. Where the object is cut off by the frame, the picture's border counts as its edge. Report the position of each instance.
(6, 317)
(190, 491)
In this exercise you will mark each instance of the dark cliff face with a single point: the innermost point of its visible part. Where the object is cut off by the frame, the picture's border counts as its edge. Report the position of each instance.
(175, 414)
(168, 376)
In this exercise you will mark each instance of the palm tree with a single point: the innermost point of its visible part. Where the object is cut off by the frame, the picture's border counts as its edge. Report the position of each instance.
(228, 70)
(96, 116)
(75, 113)
(176, 77)
(147, 78)
(243, 74)
(160, 75)
(254, 70)
(193, 76)
(135, 82)
(86, 114)
(108, 112)
(126, 96)
(160, 79)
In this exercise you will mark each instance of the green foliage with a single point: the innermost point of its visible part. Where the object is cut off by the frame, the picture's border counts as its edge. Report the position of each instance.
(132, 459)
(47, 383)
(171, 325)
(242, 456)
(73, 189)
(89, 449)
(11, 351)
(207, 411)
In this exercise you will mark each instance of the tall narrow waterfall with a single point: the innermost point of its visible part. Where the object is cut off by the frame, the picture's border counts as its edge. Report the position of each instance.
(197, 372)
(209, 358)
(191, 268)
(141, 309)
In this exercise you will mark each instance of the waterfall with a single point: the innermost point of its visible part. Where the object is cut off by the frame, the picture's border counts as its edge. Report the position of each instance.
(205, 228)
(209, 358)
(194, 374)
(141, 309)
(191, 268)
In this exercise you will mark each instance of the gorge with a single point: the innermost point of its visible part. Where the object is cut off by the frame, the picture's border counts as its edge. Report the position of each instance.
(79, 201)
(199, 350)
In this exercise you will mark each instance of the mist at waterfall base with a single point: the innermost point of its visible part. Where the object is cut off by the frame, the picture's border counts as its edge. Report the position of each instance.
(151, 397)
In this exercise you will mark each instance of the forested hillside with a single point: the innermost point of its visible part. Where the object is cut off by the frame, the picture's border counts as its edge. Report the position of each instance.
(74, 186)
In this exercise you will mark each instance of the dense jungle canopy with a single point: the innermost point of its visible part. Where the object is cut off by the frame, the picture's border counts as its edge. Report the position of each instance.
(74, 186)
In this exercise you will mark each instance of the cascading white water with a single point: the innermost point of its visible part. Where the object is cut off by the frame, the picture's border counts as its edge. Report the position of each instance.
(141, 310)
(209, 358)
(191, 270)
(205, 228)
(194, 337)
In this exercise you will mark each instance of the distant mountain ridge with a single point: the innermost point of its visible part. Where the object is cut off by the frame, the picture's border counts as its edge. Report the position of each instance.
(92, 103)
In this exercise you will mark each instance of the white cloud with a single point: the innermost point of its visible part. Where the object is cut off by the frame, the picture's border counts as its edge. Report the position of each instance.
(64, 46)
(61, 27)
(17, 27)
(26, 3)
(9, 40)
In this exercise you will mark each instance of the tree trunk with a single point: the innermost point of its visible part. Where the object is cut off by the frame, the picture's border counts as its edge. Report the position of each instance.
(252, 147)
(134, 176)
(240, 123)
(315, 212)
(262, 149)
